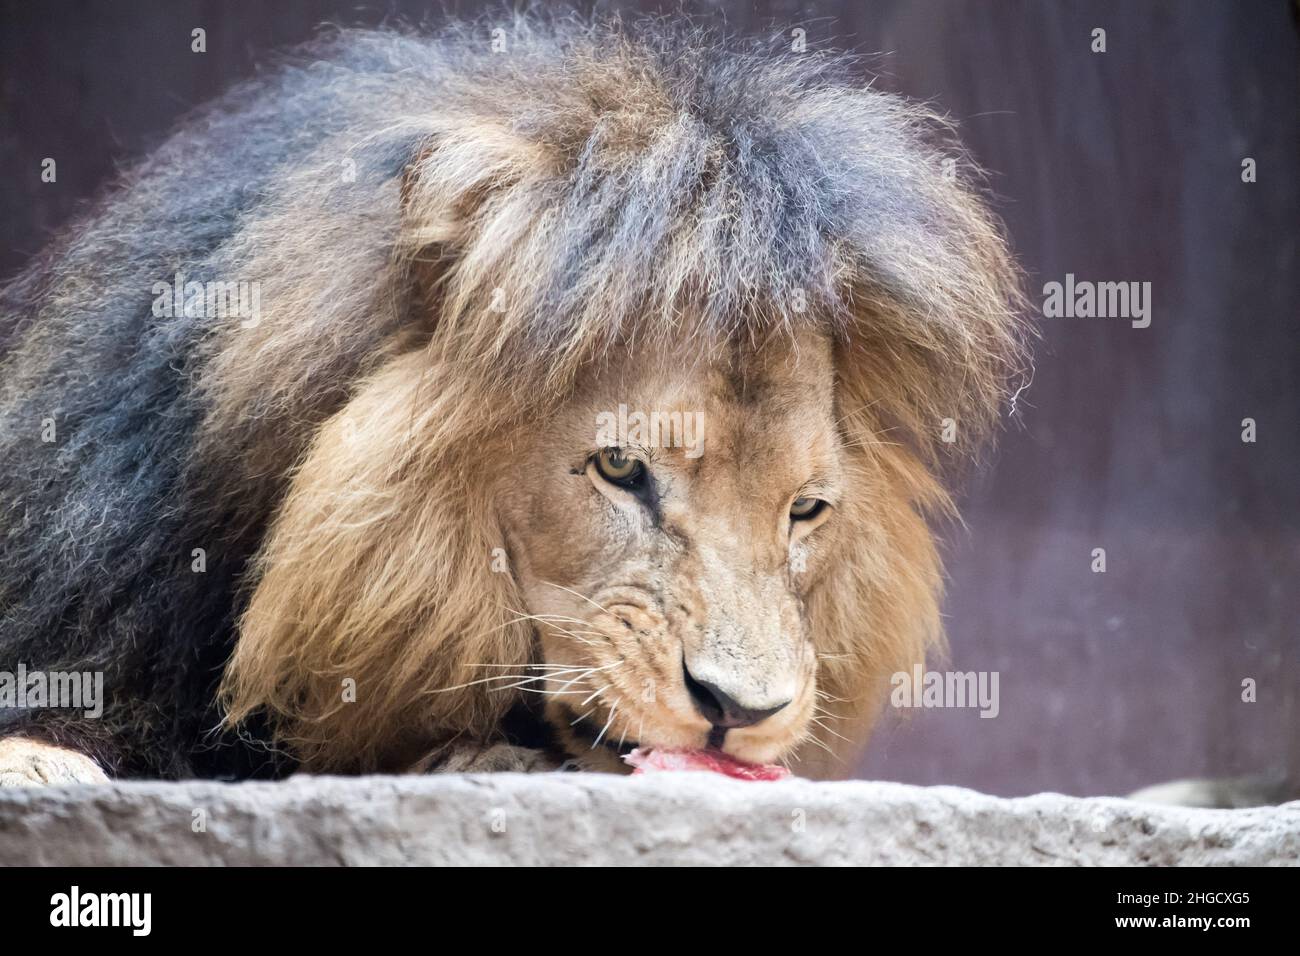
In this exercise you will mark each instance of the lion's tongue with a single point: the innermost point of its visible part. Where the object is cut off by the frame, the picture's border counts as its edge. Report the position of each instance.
(654, 760)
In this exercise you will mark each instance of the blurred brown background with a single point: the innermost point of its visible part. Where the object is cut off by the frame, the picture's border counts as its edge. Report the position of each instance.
(1115, 166)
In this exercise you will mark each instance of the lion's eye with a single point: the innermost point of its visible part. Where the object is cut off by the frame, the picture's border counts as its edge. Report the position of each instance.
(804, 509)
(619, 469)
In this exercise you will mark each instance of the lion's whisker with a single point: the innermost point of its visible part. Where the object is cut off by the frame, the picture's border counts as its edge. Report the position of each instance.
(824, 727)
(542, 618)
(559, 617)
(815, 739)
(539, 690)
(603, 610)
(593, 670)
(546, 618)
(562, 630)
(582, 637)
(864, 443)
(612, 711)
(532, 680)
(525, 677)
(557, 676)
(832, 698)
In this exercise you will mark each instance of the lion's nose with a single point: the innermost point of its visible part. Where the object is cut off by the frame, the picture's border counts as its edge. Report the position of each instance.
(720, 708)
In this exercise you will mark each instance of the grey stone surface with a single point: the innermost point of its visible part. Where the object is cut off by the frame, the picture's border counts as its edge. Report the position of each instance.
(595, 819)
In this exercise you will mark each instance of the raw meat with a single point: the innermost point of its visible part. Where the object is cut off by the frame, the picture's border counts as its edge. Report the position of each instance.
(715, 761)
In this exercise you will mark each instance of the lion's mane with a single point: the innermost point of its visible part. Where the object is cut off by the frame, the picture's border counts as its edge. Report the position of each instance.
(447, 234)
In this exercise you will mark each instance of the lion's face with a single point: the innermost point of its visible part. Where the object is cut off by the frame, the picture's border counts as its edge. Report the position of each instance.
(414, 425)
(667, 573)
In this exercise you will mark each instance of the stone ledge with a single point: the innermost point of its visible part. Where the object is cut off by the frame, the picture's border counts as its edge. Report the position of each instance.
(595, 819)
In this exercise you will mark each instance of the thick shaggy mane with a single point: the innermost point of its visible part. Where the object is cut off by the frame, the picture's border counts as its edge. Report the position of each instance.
(445, 236)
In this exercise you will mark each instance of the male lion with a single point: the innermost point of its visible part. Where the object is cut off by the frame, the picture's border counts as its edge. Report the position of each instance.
(307, 431)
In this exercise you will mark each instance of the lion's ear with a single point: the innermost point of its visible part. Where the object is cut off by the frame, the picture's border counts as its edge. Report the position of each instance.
(479, 212)
(459, 178)
(352, 267)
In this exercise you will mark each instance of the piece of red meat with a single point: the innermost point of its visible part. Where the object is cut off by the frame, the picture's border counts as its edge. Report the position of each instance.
(655, 760)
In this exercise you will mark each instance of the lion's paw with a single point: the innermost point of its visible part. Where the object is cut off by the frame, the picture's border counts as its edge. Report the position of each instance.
(29, 763)
(488, 758)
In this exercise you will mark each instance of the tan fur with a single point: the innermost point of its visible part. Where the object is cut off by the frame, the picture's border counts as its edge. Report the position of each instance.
(379, 568)
(470, 430)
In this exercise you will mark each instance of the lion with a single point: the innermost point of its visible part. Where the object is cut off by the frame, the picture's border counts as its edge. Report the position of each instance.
(325, 430)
